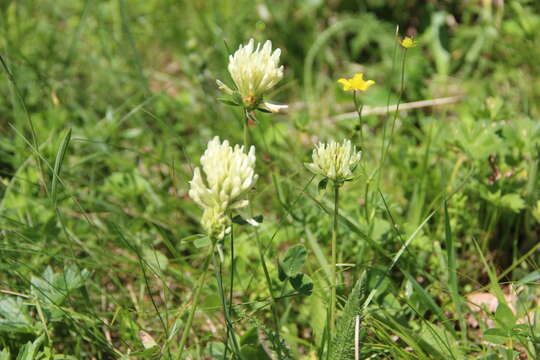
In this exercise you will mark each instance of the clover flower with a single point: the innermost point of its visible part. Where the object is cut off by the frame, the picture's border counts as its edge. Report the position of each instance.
(356, 83)
(408, 42)
(334, 160)
(229, 174)
(255, 70)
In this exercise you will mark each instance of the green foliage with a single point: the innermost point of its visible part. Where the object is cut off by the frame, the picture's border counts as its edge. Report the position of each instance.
(342, 346)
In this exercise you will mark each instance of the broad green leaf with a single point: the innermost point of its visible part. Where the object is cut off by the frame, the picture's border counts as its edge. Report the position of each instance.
(4, 355)
(505, 317)
(294, 260)
(155, 259)
(215, 350)
(202, 242)
(530, 278)
(513, 202)
(302, 283)
(251, 347)
(441, 341)
(14, 316)
(496, 335)
(254, 352)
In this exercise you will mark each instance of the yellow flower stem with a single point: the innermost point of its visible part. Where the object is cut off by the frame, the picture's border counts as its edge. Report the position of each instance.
(394, 52)
(200, 284)
(386, 147)
(402, 89)
(333, 299)
(359, 108)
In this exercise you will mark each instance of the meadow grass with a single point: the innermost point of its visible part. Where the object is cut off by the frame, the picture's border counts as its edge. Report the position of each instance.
(431, 252)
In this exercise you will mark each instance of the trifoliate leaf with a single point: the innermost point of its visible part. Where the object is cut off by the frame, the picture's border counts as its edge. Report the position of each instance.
(294, 260)
(302, 283)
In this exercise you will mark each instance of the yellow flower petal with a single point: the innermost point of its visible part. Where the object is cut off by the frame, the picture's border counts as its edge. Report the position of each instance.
(408, 42)
(346, 83)
(356, 83)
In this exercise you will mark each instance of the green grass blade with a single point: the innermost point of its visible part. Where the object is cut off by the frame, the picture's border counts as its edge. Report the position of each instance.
(60, 155)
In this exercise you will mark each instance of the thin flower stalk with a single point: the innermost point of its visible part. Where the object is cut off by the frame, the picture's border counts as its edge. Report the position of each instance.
(333, 299)
(226, 309)
(262, 259)
(335, 162)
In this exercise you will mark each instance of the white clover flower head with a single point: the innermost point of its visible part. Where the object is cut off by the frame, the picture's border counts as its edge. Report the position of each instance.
(334, 160)
(228, 174)
(255, 70)
(215, 223)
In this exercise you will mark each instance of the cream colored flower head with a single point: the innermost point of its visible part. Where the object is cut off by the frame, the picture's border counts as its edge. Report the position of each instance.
(228, 174)
(255, 70)
(334, 160)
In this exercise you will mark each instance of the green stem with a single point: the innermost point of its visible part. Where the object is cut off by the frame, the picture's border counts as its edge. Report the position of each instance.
(231, 287)
(187, 327)
(366, 201)
(385, 148)
(333, 302)
(394, 52)
(401, 90)
(261, 253)
(359, 108)
(269, 285)
(246, 130)
(226, 314)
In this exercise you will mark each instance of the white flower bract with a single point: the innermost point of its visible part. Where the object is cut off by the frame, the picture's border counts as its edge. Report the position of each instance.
(275, 108)
(255, 70)
(334, 160)
(228, 174)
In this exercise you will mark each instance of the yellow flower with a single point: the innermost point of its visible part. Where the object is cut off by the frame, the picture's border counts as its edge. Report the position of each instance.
(356, 83)
(408, 42)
